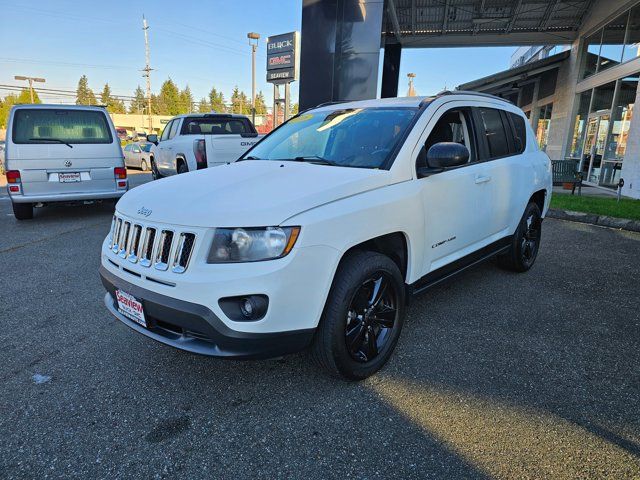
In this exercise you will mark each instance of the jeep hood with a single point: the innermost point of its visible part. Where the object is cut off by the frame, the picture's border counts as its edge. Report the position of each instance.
(248, 193)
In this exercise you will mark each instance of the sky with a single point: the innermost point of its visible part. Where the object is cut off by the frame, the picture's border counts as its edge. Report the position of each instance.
(195, 42)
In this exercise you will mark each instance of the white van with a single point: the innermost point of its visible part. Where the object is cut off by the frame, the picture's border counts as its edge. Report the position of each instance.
(61, 153)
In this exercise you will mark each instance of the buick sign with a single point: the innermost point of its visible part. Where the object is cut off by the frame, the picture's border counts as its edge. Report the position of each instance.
(282, 57)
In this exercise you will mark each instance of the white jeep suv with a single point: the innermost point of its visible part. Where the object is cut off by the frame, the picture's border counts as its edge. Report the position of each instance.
(321, 232)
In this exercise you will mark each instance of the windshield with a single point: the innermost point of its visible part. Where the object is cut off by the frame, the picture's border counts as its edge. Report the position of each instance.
(47, 125)
(360, 137)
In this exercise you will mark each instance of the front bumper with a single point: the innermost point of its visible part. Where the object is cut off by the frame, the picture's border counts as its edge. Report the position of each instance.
(195, 328)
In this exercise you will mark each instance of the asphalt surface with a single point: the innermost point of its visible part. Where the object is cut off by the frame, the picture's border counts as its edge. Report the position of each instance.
(496, 375)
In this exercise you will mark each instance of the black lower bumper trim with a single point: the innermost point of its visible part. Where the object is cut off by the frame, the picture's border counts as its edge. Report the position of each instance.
(195, 328)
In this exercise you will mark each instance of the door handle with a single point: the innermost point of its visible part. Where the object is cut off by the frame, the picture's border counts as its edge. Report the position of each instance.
(482, 179)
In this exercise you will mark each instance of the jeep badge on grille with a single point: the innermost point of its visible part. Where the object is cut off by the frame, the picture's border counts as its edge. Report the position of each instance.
(144, 211)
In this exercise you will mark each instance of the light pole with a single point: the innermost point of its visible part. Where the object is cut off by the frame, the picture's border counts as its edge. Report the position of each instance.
(412, 91)
(30, 80)
(253, 41)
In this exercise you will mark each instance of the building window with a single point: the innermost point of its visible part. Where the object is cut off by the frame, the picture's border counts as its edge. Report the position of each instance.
(621, 115)
(612, 43)
(592, 52)
(603, 97)
(542, 130)
(632, 42)
(580, 121)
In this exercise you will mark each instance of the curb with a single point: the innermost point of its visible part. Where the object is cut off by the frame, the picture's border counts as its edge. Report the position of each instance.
(593, 219)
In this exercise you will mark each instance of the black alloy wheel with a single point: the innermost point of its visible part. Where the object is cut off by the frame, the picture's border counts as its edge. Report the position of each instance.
(526, 241)
(371, 317)
(362, 318)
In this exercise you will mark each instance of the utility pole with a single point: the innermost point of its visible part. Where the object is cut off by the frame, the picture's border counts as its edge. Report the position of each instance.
(254, 46)
(147, 70)
(30, 80)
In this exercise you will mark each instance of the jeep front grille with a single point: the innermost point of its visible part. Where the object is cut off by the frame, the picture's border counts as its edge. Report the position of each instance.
(148, 245)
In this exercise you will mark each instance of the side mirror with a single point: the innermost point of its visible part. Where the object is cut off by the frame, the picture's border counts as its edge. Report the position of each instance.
(447, 154)
(153, 138)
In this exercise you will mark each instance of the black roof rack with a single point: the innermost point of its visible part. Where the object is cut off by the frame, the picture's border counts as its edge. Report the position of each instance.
(471, 92)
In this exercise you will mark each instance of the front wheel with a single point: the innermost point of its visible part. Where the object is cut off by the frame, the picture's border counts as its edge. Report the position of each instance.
(363, 316)
(155, 174)
(22, 211)
(143, 165)
(526, 241)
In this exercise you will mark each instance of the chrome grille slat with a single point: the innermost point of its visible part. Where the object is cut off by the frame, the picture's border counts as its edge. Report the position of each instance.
(146, 253)
(149, 245)
(133, 251)
(183, 251)
(124, 239)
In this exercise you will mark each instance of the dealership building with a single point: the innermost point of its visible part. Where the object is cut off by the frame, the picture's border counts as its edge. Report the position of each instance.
(575, 74)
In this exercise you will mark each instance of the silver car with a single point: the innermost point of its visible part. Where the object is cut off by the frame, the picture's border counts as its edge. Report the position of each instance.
(62, 153)
(138, 155)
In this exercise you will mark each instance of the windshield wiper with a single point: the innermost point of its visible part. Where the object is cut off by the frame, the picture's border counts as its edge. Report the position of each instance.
(56, 140)
(250, 157)
(315, 159)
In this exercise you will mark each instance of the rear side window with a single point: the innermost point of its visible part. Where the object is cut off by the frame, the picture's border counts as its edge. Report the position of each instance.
(45, 126)
(519, 132)
(214, 126)
(495, 132)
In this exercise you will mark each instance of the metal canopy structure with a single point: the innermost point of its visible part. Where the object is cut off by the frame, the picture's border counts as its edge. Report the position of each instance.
(455, 23)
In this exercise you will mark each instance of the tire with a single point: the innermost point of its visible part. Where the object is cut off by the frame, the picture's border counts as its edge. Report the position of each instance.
(354, 286)
(182, 168)
(526, 242)
(22, 211)
(143, 166)
(155, 174)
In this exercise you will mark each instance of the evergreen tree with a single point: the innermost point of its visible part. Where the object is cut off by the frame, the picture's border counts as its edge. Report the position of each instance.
(203, 106)
(240, 103)
(113, 104)
(84, 95)
(216, 101)
(261, 106)
(139, 102)
(169, 98)
(186, 100)
(12, 99)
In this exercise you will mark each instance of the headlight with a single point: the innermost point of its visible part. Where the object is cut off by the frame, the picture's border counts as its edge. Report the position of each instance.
(251, 244)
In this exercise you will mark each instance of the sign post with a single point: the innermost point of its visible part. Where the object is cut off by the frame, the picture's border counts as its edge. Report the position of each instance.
(283, 59)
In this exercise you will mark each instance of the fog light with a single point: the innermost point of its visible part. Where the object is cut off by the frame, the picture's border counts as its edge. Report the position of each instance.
(246, 308)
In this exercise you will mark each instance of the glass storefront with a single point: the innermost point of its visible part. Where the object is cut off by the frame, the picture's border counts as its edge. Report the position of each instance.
(542, 129)
(601, 130)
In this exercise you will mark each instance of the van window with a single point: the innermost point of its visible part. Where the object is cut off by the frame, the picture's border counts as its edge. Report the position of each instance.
(47, 125)
(495, 132)
(213, 125)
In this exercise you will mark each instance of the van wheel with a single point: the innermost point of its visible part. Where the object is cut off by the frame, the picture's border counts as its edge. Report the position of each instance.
(362, 318)
(143, 165)
(526, 242)
(22, 211)
(182, 168)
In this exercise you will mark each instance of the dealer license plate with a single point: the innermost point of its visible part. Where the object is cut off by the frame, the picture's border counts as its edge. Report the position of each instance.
(69, 177)
(130, 307)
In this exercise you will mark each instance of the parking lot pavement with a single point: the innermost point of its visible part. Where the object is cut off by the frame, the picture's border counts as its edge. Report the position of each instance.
(497, 375)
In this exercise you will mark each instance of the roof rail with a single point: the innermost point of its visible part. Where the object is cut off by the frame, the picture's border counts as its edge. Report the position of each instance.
(330, 103)
(471, 92)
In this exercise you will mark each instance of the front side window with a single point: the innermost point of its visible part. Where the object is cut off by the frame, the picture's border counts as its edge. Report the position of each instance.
(48, 125)
(174, 129)
(453, 126)
(214, 126)
(354, 137)
(495, 133)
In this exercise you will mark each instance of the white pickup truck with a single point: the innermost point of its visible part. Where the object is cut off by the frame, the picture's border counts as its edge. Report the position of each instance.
(196, 141)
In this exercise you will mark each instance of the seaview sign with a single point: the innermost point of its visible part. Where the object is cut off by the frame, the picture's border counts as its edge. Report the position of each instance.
(282, 58)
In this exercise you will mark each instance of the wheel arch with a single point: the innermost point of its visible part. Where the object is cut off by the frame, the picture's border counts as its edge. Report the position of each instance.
(539, 198)
(181, 158)
(394, 245)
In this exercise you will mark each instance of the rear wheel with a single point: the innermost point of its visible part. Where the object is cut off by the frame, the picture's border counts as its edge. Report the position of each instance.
(143, 166)
(182, 168)
(363, 316)
(22, 211)
(526, 241)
